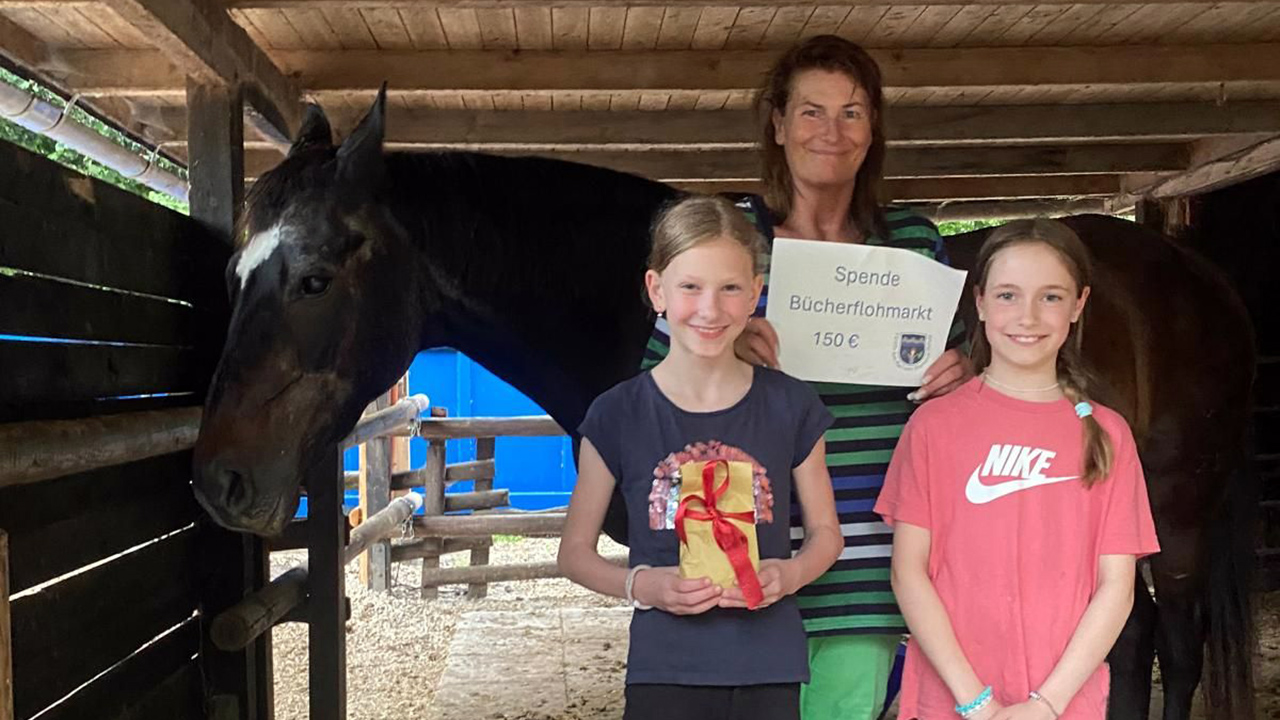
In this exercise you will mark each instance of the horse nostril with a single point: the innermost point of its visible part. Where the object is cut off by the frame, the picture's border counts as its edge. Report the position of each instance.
(235, 490)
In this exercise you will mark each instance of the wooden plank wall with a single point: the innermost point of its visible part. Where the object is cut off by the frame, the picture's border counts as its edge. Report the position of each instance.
(127, 299)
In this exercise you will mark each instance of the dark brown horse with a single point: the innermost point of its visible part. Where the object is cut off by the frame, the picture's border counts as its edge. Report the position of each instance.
(352, 260)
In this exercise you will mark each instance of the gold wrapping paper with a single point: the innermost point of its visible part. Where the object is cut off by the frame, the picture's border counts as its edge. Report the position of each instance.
(701, 556)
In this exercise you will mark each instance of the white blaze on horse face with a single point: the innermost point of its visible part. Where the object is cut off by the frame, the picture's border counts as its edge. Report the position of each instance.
(260, 249)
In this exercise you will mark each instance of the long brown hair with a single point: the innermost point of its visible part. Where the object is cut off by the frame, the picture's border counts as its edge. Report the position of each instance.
(833, 54)
(1074, 375)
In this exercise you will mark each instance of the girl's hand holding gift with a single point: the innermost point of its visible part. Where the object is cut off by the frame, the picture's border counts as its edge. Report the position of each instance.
(778, 579)
(664, 589)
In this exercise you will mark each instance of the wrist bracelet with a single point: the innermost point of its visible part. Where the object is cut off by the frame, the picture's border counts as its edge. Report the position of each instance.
(972, 708)
(1040, 698)
(631, 580)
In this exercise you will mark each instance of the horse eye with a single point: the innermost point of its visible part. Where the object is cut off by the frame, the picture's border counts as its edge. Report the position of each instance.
(315, 285)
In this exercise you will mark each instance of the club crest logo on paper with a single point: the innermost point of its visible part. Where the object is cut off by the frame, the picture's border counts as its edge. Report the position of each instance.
(910, 350)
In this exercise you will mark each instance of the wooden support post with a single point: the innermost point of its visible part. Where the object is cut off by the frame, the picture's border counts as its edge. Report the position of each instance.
(327, 599)
(432, 506)
(480, 556)
(238, 685)
(215, 126)
(375, 494)
(6, 644)
(400, 445)
(1149, 213)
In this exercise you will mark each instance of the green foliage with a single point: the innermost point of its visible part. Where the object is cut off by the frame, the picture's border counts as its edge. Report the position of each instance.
(67, 157)
(955, 227)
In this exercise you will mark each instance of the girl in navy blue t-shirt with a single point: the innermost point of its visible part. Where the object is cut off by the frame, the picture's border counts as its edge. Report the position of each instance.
(696, 650)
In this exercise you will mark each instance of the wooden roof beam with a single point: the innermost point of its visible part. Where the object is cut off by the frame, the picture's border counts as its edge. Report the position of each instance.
(203, 43)
(1212, 174)
(21, 46)
(1018, 187)
(535, 130)
(903, 163)
(1010, 209)
(743, 69)
(125, 72)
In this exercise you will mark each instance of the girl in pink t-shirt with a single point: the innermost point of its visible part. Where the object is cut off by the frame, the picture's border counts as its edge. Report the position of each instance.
(1019, 506)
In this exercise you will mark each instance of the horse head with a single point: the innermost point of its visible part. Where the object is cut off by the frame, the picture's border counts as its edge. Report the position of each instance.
(324, 318)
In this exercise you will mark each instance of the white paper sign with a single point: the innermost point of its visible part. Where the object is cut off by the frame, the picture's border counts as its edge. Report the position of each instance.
(858, 313)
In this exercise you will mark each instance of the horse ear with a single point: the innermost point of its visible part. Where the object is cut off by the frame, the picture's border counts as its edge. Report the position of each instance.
(360, 157)
(315, 130)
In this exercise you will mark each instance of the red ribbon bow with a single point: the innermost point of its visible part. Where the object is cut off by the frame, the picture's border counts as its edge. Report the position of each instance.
(731, 539)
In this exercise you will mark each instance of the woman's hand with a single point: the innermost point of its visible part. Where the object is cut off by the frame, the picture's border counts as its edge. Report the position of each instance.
(1027, 710)
(758, 343)
(663, 588)
(947, 373)
(777, 580)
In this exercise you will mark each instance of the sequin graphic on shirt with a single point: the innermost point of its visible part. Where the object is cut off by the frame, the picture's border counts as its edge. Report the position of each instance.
(664, 495)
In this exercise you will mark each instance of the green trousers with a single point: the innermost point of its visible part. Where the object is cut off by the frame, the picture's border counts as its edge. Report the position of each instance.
(848, 676)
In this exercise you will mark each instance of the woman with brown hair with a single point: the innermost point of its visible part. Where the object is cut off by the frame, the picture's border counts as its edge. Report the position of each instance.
(823, 149)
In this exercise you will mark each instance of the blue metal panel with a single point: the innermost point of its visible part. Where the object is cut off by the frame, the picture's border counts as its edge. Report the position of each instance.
(539, 472)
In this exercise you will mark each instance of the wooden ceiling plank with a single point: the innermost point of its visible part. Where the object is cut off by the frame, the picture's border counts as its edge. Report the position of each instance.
(1052, 33)
(82, 28)
(713, 28)
(497, 28)
(461, 28)
(1106, 19)
(641, 29)
(678, 25)
(927, 25)
(125, 34)
(388, 28)
(21, 45)
(825, 20)
(315, 30)
(569, 28)
(995, 25)
(749, 27)
(350, 28)
(533, 28)
(787, 23)
(278, 31)
(605, 27)
(595, 102)
(1036, 20)
(896, 21)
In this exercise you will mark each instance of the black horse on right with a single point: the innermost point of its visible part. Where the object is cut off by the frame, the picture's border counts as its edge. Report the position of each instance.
(353, 260)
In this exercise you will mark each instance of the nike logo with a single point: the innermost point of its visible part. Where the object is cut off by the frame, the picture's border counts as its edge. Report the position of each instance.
(980, 494)
(1026, 463)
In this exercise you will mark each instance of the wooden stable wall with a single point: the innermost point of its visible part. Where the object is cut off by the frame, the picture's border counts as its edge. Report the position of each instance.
(133, 294)
(1239, 229)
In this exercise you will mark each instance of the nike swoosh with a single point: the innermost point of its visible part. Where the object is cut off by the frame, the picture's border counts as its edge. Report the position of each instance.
(979, 494)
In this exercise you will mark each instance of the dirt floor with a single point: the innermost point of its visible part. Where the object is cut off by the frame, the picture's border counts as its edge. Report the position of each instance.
(399, 649)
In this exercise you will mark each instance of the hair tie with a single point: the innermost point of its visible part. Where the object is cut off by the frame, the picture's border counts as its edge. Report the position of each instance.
(1083, 409)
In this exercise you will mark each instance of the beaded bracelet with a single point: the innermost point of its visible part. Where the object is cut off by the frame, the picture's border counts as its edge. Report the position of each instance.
(972, 708)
